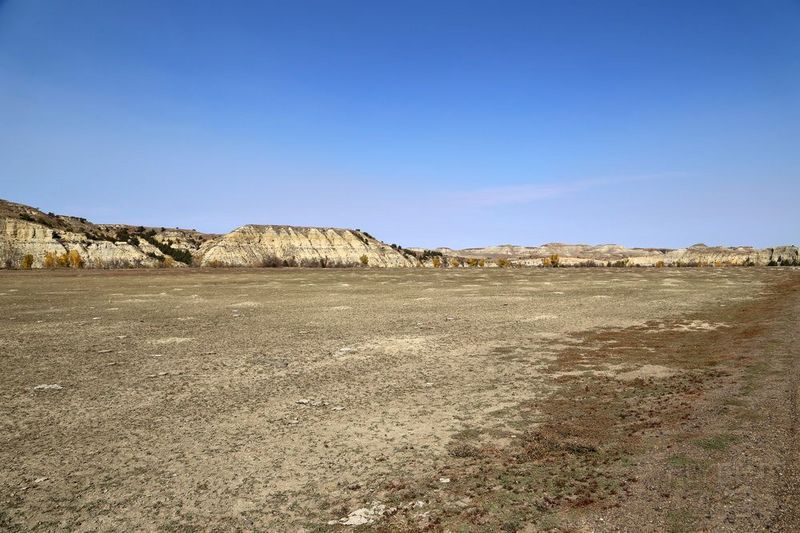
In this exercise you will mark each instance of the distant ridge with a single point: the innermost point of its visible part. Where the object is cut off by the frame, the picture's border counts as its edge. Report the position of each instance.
(31, 238)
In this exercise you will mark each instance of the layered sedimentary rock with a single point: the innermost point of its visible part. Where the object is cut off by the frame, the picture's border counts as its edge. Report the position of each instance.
(30, 238)
(614, 254)
(20, 238)
(720, 256)
(255, 245)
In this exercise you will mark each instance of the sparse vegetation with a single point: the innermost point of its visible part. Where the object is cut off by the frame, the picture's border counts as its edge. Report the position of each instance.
(784, 262)
(166, 248)
(49, 260)
(360, 236)
(62, 260)
(554, 260)
(502, 262)
(27, 262)
(75, 260)
(427, 254)
(271, 262)
(71, 259)
(364, 260)
(716, 442)
(553, 436)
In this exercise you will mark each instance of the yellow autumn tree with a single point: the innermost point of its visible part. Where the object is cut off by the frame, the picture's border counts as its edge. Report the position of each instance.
(75, 259)
(50, 260)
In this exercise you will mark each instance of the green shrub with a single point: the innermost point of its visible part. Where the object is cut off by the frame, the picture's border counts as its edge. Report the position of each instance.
(178, 255)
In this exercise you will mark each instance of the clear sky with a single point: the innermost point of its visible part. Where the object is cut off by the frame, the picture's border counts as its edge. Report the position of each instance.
(426, 123)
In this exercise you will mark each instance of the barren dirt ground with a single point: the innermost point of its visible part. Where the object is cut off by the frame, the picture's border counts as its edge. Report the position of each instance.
(460, 400)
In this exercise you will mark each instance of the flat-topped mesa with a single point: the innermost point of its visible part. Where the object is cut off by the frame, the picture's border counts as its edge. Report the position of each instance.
(268, 245)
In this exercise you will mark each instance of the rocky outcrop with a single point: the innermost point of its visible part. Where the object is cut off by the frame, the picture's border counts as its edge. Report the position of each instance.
(20, 238)
(616, 255)
(255, 245)
(30, 238)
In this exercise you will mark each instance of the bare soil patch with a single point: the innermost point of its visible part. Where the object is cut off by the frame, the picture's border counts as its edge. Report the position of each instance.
(399, 400)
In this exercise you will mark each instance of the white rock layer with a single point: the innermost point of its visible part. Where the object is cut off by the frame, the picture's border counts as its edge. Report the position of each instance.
(255, 245)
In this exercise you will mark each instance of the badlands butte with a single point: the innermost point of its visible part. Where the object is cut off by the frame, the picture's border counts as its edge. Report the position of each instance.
(30, 238)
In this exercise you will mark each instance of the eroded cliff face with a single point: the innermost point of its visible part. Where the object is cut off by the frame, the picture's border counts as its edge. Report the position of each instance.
(20, 238)
(256, 245)
(719, 256)
(602, 255)
(30, 238)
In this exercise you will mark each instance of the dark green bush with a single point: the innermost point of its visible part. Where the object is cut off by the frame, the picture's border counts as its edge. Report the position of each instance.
(178, 255)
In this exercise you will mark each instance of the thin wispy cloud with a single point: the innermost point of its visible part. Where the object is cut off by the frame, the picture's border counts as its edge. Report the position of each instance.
(524, 194)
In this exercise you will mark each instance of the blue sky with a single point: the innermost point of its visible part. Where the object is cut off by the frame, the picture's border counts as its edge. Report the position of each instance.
(426, 123)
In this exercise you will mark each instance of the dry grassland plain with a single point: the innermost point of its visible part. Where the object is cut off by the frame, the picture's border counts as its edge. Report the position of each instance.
(459, 400)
